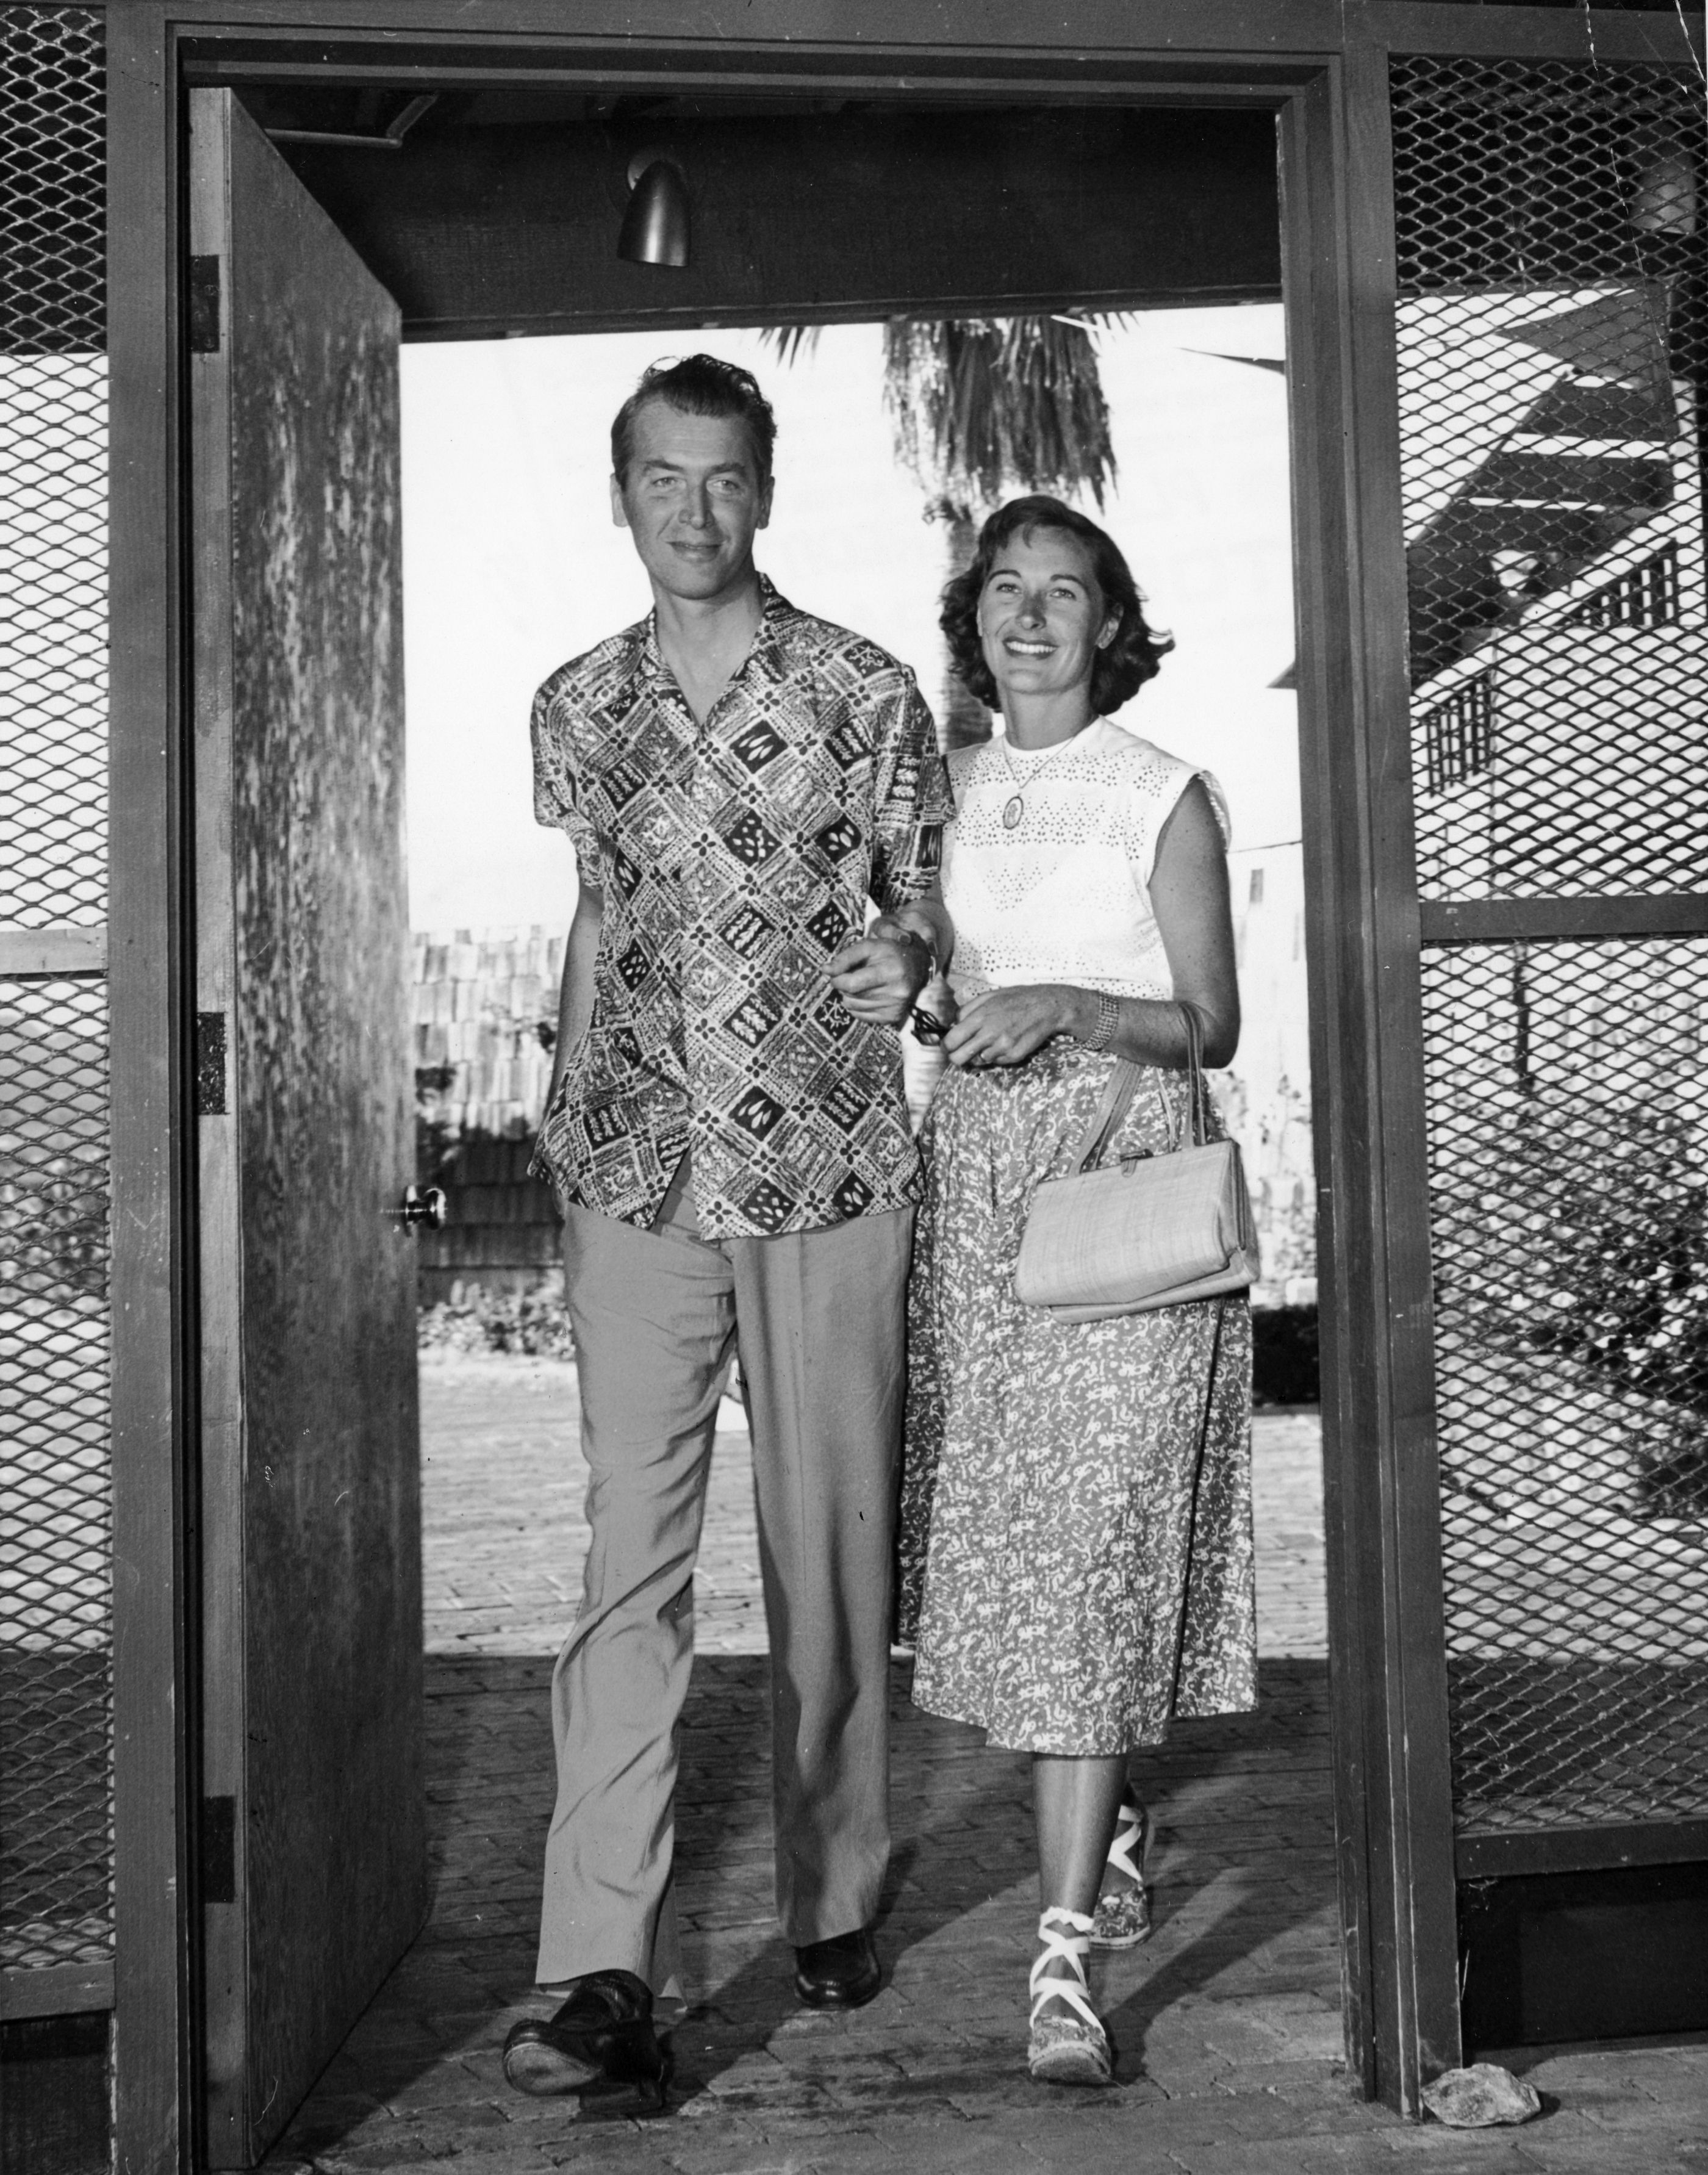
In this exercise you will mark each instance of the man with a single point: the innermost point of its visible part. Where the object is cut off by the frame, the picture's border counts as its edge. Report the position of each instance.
(729, 1140)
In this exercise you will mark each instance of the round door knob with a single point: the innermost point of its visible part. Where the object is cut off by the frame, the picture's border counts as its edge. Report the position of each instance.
(422, 1206)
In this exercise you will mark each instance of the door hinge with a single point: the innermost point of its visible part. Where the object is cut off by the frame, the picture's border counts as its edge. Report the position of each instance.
(211, 1064)
(204, 305)
(218, 1850)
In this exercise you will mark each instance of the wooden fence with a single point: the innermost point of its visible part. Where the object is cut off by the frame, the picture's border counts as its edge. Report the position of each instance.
(485, 1016)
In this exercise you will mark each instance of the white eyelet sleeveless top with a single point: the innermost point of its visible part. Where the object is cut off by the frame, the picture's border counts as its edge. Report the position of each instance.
(1063, 896)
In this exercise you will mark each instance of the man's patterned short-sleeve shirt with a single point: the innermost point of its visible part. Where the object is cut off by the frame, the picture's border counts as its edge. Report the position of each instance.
(734, 857)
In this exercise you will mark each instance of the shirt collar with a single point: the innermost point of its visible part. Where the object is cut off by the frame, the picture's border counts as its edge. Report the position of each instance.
(775, 611)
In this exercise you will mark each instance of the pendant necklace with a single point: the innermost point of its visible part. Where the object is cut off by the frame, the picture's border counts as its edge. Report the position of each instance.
(1014, 808)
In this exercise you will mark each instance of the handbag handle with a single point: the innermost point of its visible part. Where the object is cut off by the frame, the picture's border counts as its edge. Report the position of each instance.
(1197, 1081)
(1123, 1085)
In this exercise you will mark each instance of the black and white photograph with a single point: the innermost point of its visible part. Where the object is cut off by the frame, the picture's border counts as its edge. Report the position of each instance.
(853, 1087)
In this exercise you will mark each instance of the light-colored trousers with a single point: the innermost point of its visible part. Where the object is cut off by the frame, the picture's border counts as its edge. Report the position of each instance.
(656, 1315)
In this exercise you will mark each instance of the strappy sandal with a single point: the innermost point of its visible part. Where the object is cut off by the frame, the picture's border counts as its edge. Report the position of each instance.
(1122, 1916)
(1066, 2050)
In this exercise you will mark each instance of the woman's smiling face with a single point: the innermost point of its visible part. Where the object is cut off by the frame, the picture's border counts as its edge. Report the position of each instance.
(1041, 617)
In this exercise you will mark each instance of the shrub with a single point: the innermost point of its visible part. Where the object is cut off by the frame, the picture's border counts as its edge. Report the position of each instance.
(1584, 1231)
(1624, 1287)
(474, 1320)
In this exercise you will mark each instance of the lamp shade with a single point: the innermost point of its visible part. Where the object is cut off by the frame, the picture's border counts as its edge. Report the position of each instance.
(655, 226)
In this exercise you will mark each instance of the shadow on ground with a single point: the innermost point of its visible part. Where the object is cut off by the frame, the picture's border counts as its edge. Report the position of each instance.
(1241, 1970)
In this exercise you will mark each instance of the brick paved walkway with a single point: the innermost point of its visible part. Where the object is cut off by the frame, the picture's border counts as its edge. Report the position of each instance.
(1227, 2024)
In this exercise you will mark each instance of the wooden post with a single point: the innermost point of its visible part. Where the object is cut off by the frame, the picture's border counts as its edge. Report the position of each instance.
(1393, 1808)
(153, 1619)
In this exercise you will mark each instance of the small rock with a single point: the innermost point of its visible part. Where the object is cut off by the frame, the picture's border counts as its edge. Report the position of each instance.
(1481, 2096)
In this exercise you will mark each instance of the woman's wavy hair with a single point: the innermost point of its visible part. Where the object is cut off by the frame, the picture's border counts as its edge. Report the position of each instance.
(1121, 668)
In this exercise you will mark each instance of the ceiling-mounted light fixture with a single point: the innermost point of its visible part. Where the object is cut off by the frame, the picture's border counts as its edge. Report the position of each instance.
(655, 226)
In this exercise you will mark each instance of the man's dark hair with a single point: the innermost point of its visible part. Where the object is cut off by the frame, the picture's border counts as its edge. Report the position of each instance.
(1120, 669)
(698, 385)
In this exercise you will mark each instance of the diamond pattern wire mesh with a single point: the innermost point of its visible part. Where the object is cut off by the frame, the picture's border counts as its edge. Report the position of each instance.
(1552, 334)
(1551, 341)
(1567, 1099)
(52, 470)
(55, 1547)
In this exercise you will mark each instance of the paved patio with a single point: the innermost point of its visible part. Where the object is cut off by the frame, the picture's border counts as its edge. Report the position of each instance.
(1227, 2023)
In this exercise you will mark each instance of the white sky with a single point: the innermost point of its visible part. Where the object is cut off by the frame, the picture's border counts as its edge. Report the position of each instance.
(511, 564)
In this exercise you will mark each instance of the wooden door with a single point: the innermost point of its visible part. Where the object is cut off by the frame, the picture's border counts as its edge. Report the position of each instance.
(312, 1855)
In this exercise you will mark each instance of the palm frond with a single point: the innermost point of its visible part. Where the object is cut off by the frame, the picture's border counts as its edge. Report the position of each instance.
(983, 406)
(790, 341)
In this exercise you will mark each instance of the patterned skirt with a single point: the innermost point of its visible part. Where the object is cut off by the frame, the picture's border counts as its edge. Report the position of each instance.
(1075, 1518)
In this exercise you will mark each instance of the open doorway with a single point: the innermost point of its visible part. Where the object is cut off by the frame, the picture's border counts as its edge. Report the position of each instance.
(1349, 201)
(511, 564)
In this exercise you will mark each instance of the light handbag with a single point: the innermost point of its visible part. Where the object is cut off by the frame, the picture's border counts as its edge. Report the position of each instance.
(1146, 1231)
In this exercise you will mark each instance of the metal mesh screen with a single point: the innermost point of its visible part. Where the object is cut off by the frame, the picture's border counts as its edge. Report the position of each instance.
(1567, 1099)
(52, 470)
(1551, 337)
(55, 1550)
(1551, 341)
(55, 1571)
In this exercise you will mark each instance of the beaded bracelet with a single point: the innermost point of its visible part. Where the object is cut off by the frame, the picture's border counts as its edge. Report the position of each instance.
(1108, 1020)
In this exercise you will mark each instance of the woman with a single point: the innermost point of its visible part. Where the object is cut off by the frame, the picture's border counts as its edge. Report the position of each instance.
(1077, 1563)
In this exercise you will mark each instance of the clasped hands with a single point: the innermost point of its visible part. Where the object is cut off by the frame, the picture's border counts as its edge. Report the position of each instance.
(1005, 1026)
(879, 976)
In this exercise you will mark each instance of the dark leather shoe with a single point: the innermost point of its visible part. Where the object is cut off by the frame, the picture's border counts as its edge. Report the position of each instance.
(841, 1973)
(603, 2035)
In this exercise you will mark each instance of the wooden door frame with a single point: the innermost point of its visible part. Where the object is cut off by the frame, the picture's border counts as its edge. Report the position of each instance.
(1321, 65)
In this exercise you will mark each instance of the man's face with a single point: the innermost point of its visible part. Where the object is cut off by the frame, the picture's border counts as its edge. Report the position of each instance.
(691, 499)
